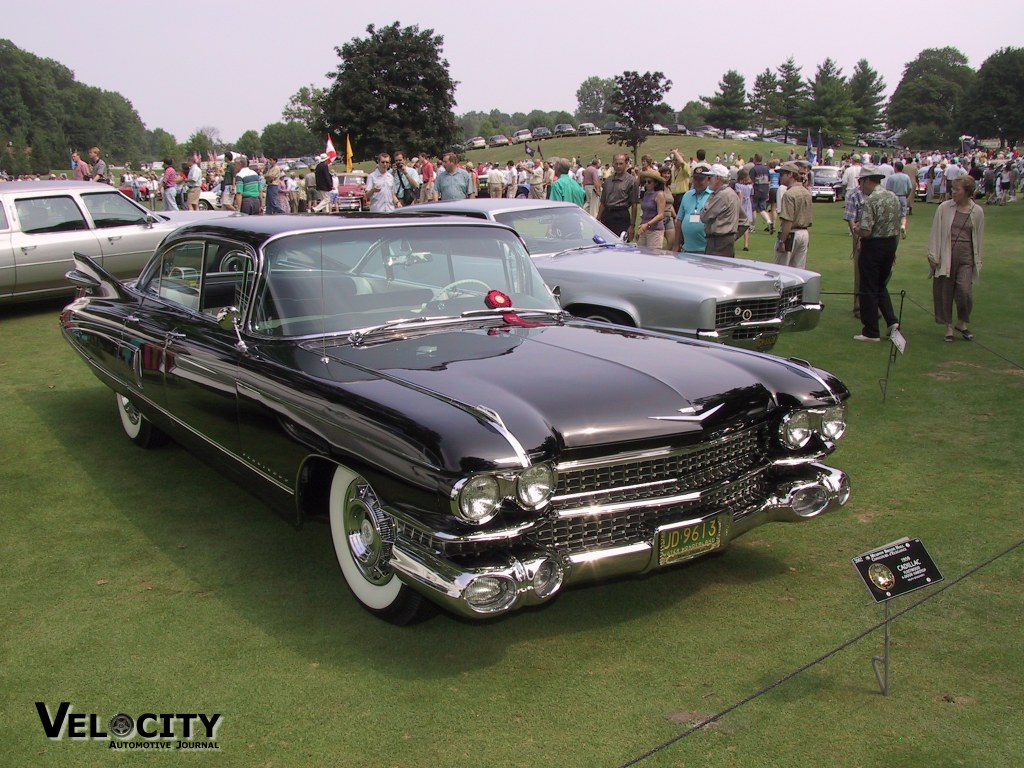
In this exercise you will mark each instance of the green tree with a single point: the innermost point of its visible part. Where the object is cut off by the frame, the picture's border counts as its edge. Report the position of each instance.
(792, 95)
(249, 144)
(692, 114)
(930, 96)
(764, 101)
(995, 105)
(305, 106)
(594, 99)
(633, 104)
(539, 118)
(867, 91)
(728, 107)
(160, 145)
(287, 140)
(392, 89)
(829, 108)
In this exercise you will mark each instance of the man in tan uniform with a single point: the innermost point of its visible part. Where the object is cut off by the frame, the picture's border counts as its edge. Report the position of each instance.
(796, 216)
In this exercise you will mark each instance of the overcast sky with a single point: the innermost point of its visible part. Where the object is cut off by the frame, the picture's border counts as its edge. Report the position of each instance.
(233, 65)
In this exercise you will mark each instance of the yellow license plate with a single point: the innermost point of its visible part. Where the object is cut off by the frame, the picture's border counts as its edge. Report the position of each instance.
(690, 540)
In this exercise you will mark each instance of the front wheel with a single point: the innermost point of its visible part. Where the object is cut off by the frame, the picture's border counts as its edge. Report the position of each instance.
(204, 205)
(363, 535)
(137, 427)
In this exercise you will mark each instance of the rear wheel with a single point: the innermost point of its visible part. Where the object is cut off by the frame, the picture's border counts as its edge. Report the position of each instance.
(363, 535)
(137, 427)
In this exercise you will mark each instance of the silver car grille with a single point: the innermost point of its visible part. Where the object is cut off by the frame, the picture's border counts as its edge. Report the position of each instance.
(732, 313)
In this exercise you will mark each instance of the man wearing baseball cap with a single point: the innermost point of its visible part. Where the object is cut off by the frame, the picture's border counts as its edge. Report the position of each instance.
(721, 215)
(689, 227)
(796, 216)
(879, 238)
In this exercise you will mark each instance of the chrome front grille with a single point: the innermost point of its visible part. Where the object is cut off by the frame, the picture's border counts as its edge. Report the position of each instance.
(573, 535)
(731, 313)
(655, 475)
(620, 500)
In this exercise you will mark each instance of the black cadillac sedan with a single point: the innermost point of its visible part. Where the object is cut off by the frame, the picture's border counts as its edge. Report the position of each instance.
(415, 384)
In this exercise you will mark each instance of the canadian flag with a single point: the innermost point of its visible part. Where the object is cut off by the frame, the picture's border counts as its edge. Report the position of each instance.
(331, 153)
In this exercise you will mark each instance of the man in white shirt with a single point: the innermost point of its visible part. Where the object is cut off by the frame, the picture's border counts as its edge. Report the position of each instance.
(852, 174)
(380, 186)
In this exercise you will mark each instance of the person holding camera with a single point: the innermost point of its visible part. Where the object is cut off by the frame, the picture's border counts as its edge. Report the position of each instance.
(407, 181)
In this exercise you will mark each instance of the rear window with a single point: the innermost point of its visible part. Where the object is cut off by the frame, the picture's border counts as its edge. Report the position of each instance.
(39, 215)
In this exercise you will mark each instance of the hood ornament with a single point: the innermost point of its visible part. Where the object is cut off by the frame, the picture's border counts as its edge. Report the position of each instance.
(690, 414)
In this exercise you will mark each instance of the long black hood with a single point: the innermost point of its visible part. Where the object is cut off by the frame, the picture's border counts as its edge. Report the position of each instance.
(581, 385)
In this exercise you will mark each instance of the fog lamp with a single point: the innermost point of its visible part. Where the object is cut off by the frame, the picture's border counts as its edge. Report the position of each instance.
(488, 594)
(548, 579)
(808, 502)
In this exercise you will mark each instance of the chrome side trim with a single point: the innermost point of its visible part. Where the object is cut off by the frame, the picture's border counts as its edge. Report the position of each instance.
(605, 554)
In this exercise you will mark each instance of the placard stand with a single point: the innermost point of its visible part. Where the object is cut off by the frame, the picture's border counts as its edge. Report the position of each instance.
(897, 345)
(883, 676)
(889, 571)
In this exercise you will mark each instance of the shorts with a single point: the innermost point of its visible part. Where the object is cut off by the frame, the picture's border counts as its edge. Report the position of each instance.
(227, 197)
(760, 203)
(193, 196)
(903, 205)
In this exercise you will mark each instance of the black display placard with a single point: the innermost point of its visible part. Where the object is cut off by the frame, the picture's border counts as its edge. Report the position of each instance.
(896, 569)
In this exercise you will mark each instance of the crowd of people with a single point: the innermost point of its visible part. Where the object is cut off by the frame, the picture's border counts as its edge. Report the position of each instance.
(694, 204)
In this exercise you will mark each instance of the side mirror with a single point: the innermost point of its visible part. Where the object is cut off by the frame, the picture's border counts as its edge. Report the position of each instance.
(230, 319)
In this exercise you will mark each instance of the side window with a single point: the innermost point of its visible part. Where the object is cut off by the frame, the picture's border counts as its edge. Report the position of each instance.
(3, 218)
(112, 209)
(228, 278)
(179, 275)
(39, 215)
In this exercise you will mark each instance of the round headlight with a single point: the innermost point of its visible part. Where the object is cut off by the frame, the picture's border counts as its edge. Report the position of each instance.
(833, 422)
(535, 485)
(479, 499)
(795, 429)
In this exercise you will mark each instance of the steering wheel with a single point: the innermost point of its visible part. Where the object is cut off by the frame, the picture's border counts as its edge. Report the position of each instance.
(447, 291)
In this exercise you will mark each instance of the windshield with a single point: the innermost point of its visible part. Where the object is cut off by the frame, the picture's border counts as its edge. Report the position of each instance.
(826, 177)
(549, 230)
(344, 280)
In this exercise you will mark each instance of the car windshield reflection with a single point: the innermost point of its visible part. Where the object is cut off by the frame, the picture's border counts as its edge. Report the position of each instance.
(550, 230)
(340, 281)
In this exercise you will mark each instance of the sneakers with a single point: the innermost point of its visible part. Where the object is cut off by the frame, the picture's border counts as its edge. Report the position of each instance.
(862, 337)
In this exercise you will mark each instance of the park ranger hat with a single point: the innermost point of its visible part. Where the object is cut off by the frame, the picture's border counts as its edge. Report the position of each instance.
(790, 167)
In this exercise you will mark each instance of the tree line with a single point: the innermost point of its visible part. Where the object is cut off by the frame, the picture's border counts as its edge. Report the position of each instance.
(392, 88)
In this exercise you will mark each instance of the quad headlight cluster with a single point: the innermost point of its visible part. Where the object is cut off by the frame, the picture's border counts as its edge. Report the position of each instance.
(477, 499)
(798, 427)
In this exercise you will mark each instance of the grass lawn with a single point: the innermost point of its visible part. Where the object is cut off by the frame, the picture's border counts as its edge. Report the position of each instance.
(143, 581)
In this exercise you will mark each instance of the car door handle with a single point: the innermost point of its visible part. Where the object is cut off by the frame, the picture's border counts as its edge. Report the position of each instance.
(112, 238)
(175, 335)
(27, 248)
(132, 319)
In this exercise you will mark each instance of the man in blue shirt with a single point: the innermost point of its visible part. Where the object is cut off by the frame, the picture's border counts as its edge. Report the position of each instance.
(689, 228)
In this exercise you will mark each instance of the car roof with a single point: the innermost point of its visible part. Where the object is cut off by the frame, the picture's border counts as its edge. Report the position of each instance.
(257, 230)
(54, 185)
(491, 205)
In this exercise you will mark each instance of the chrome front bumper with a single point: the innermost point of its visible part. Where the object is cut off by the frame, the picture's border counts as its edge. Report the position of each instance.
(528, 575)
(762, 334)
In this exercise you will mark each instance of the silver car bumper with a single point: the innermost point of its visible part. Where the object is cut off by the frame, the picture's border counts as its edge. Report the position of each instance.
(524, 575)
(762, 334)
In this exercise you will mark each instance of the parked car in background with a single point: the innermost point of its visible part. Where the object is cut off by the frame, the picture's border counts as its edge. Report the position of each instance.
(565, 129)
(43, 222)
(540, 132)
(351, 191)
(826, 180)
(129, 190)
(413, 384)
(209, 200)
(597, 276)
(613, 125)
(659, 128)
(477, 142)
(587, 129)
(678, 128)
(523, 135)
(501, 140)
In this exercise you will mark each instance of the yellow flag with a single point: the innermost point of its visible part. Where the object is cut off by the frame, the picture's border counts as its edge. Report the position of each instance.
(348, 155)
